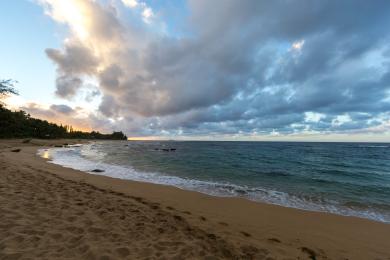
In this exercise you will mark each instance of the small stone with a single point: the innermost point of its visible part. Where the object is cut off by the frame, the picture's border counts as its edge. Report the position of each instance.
(97, 170)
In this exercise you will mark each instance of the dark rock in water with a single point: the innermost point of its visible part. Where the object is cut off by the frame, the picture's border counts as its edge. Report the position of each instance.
(65, 144)
(26, 141)
(97, 170)
(241, 192)
(16, 150)
(58, 145)
(165, 149)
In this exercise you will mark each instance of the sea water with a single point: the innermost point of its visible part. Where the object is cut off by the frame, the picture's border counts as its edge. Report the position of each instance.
(350, 179)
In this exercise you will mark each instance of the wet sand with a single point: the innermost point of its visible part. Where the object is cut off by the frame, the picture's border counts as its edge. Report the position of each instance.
(51, 212)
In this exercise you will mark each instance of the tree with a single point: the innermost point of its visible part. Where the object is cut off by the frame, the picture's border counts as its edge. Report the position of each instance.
(7, 88)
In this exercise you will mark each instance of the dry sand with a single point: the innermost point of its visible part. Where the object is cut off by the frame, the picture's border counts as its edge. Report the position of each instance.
(51, 212)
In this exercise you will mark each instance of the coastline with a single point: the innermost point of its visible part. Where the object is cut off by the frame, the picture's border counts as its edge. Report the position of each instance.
(244, 227)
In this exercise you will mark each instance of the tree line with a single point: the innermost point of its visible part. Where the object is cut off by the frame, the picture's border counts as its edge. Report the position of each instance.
(19, 124)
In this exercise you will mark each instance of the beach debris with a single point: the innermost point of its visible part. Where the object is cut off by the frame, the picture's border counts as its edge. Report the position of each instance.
(16, 150)
(57, 145)
(97, 170)
(173, 149)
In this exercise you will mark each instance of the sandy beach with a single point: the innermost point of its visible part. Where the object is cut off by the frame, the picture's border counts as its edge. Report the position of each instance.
(51, 212)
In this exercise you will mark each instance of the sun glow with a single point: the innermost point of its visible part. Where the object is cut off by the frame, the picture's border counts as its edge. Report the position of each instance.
(71, 12)
(45, 154)
(298, 45)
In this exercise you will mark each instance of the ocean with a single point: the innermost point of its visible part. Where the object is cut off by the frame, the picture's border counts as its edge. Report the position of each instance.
(351, 179)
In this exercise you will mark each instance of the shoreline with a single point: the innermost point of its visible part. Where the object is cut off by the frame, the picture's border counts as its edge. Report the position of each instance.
(281, 231)
(305, 207)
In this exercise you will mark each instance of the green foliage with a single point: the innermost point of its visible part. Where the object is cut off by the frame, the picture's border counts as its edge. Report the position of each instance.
(19, 124)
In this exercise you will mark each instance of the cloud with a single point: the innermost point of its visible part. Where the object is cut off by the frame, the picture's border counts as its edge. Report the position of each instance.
(76, 59)
(255, 67)
(67, 86)
(130, 3)
(79, 118)
(63, 109)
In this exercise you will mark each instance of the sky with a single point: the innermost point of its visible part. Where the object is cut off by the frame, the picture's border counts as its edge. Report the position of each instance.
(303, 70)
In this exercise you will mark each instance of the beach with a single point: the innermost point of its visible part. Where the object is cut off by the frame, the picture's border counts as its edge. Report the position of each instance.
(52, 212)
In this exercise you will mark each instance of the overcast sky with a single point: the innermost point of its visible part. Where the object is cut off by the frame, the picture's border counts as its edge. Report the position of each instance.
(201, 69)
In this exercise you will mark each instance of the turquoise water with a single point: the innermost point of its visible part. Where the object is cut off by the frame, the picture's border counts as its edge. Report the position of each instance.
(343, 178)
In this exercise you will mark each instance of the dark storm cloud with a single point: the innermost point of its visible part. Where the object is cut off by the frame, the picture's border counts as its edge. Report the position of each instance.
(245, 67)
